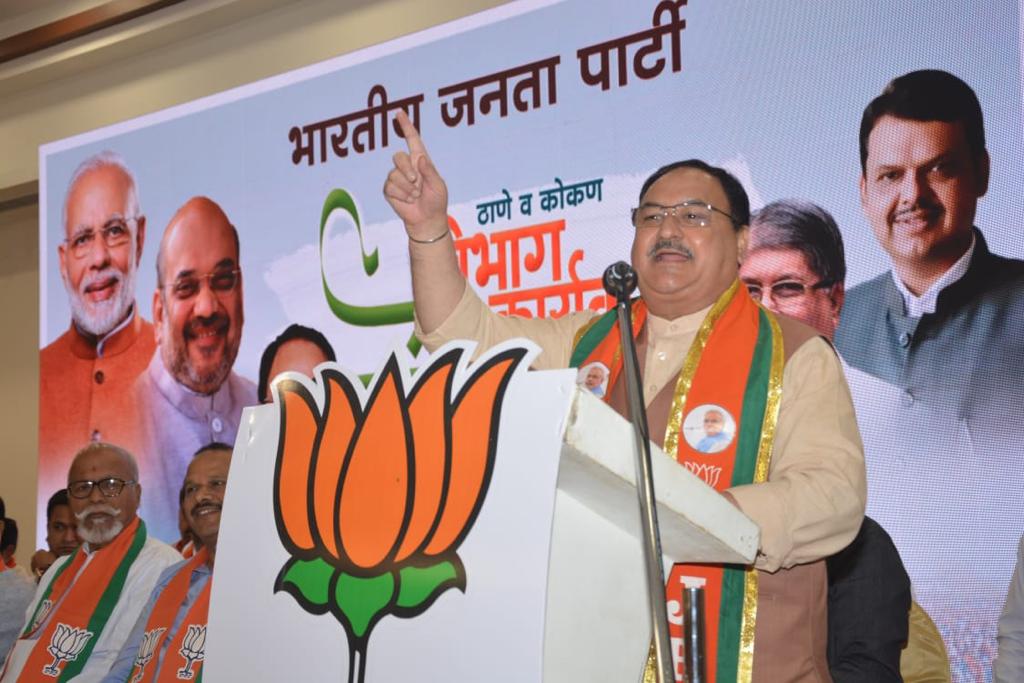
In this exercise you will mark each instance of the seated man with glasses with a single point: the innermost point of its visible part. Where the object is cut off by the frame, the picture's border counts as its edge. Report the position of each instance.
(86, 374)
(189, 396)
(87, 602)
(702, 342)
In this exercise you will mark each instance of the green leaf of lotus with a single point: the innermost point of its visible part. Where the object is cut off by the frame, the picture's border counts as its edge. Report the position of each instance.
(363, 601)
(419, 587)
(308, 581)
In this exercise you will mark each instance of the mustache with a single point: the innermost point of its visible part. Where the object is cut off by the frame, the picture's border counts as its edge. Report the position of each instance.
(924, 205)
(218, 323)
(98, 509)
(669, 244)
(199, 507)
(99, 277)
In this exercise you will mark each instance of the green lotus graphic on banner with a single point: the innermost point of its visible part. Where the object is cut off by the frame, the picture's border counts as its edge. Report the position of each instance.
(373, 501)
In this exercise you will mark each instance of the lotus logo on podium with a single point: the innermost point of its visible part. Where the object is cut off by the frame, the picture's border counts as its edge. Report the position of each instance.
(372, 501)
(65, 646)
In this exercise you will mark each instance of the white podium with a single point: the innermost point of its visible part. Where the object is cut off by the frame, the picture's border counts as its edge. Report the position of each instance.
(546, 577)
(597, 623)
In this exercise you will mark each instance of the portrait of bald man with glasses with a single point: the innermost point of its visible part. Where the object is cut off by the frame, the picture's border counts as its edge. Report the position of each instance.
(189, 395)
(86, 374)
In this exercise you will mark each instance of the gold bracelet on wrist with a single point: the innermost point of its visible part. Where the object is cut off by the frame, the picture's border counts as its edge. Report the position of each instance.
(429, 241)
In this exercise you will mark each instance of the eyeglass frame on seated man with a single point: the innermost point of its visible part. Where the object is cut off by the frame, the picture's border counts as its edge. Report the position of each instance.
(664, 212)
(94, 483)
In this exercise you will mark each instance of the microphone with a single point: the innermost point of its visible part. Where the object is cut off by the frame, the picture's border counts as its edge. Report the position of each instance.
(619, 280)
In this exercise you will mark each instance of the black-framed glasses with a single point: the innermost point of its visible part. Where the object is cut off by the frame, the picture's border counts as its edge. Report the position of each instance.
(109, 487)
(219, 282)
(785, 289)
(692, 213)
(115, 233)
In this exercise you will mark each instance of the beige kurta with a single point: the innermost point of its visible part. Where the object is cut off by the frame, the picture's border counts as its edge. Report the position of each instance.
(813, 502)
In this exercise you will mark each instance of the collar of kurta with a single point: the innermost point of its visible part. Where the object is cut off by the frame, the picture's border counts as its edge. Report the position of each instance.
(982, 270)
(187, 402)
(915, 305)
(117, 341)
(684, 325)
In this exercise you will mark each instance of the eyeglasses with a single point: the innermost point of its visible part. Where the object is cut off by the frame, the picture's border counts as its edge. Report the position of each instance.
(115, 234)
(219, 281)
(786, 289)
(692, 213)
(109, 487)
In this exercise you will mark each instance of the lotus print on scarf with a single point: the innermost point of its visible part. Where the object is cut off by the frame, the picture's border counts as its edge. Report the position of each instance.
(372, 501)
(65, 645)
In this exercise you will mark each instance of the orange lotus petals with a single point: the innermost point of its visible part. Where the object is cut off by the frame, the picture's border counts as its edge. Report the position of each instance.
(375, 491)
(339, 423)
(427, 417)
(472, 453)
(368, 489)
(295, 451)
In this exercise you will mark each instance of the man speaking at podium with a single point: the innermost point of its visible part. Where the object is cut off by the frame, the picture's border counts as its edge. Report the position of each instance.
(795, 465)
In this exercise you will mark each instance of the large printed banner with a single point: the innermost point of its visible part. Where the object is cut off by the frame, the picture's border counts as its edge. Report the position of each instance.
(175, 248)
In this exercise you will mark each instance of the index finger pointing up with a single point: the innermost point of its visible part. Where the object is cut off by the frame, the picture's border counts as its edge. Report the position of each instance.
(411, 135)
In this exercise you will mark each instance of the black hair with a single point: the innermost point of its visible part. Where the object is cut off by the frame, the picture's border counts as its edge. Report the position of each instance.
(927, 95)
(805, 226)
(56, 500)
(9, 538)
(739, 204)
(213, 446)
(291, 333)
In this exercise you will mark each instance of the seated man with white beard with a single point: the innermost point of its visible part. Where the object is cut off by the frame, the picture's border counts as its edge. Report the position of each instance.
(87, 602)
(85, 375)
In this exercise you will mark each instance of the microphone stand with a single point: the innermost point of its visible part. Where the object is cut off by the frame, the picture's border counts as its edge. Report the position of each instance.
(619, 281)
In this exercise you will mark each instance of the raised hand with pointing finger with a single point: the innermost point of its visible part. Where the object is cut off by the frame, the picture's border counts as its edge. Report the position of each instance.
(416, 191)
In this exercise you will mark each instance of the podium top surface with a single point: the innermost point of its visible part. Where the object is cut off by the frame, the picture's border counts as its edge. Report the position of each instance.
(598, 468)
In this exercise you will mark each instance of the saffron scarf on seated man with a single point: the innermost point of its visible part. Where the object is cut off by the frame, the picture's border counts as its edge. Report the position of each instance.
(76, 605)
(734, 362)
(188, 642)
